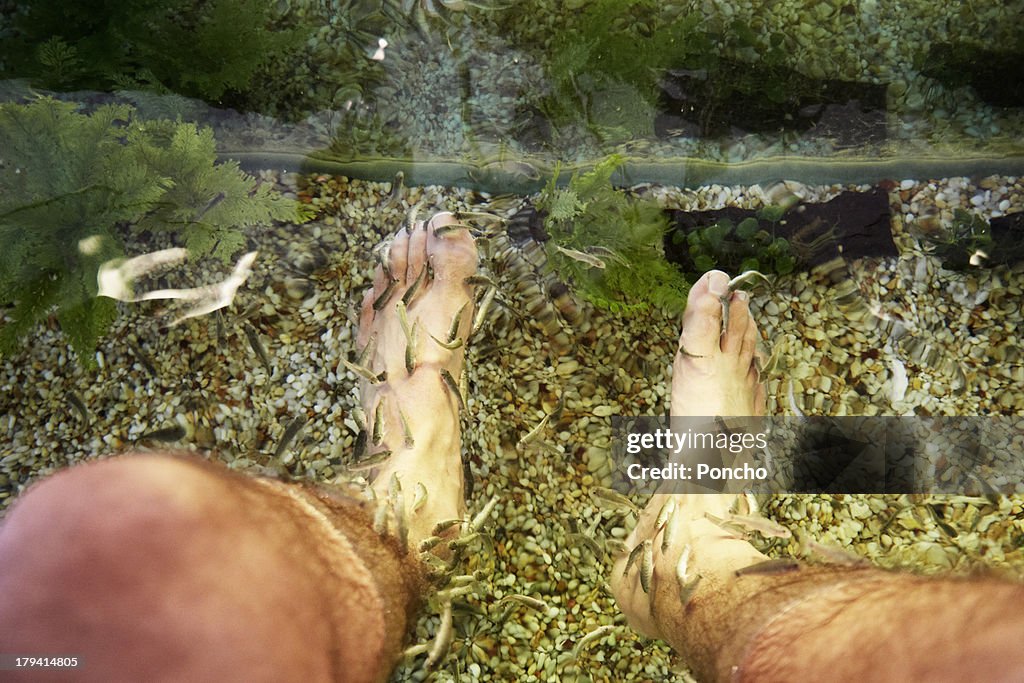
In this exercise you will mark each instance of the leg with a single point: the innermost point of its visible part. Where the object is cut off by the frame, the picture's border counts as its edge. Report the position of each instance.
(162, 568)
(839, 623)
(153, 567)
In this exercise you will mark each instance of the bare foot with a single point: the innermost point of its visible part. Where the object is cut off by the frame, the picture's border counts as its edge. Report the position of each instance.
(413, 410)
(713, 374)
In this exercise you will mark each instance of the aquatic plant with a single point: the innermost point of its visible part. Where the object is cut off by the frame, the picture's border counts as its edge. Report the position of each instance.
(198, 49)
(75, 188)
(608, 245)
(740, 247)
(968, 234)
(604, 72)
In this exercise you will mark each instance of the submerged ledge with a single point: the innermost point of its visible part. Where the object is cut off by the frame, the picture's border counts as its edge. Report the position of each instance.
(686, 173)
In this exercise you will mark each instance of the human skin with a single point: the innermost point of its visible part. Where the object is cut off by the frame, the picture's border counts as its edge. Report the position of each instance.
(836, 623)
(163, 567)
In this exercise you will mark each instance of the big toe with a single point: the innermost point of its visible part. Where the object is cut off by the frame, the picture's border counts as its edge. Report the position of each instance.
(452, 252)
(702, 321)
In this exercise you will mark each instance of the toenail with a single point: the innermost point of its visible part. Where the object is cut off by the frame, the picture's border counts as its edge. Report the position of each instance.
(742, 296)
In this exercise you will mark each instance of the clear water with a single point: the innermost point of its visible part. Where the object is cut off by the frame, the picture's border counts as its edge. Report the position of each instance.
(356, 112)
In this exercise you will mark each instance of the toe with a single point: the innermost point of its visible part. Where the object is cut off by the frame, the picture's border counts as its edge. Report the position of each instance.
(739, 321)
(398, 255)
(417, 253)
(366, 317)
(454, 254)
(702, 321)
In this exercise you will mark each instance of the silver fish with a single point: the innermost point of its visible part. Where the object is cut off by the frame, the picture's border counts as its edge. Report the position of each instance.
(481, 517)
(166, 435)
(532, 603)
(596, 634)
(290, 432)
(443, 639)
(257, 345)
(647, 566)
(581, 256)
(603, 496)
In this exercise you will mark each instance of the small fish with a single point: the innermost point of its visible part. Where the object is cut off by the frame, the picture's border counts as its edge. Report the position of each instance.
(481, 517)
(777, 566)
(369, 462)
(792, 402)
(401, 520)
(382, 300)
(587, 542)
(451, 346)
(290, 432)
(419, 497)
(145, 361)
(453, 387)
(596, 634)
(634, 554)
(479, 281)
(532, 603)
(451, 227)
(406, 430)
(614, 546)
(481, 313)
(683, 352)
(364, 353)
(761, 525)
(731, 527)
(686, 590)
(79, 405)
(532, 435)
(166, 435)
(667, 509)
(414, 287)
(257, 346)
(647, 566)
(836, 555)
(411, 216)
(362, 371)
(581, 256)
(940, 522)
(360, 444)
(397, 187)
(429, 543)
(601, 495)
(463, 541)
(453, 329)
(732, 285)
(443, 526)
(683, 566)
(410, 350)
(378, 423)
(210, 205)
(743, 278)
(443, 639)
(670, 531)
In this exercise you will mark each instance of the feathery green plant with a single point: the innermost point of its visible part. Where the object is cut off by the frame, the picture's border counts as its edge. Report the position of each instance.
(75, 187)
(590, 222)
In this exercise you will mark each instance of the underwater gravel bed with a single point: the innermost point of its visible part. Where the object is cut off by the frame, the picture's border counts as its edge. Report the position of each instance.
(205, 382)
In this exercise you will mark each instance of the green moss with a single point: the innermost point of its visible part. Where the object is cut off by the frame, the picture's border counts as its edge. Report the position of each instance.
(590, 221)
(740, 247)
(74, 188)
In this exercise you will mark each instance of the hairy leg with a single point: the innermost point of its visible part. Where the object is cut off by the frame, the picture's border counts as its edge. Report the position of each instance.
(809, 622)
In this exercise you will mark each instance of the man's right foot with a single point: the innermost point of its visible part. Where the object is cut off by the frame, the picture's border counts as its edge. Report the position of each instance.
(713, 375)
